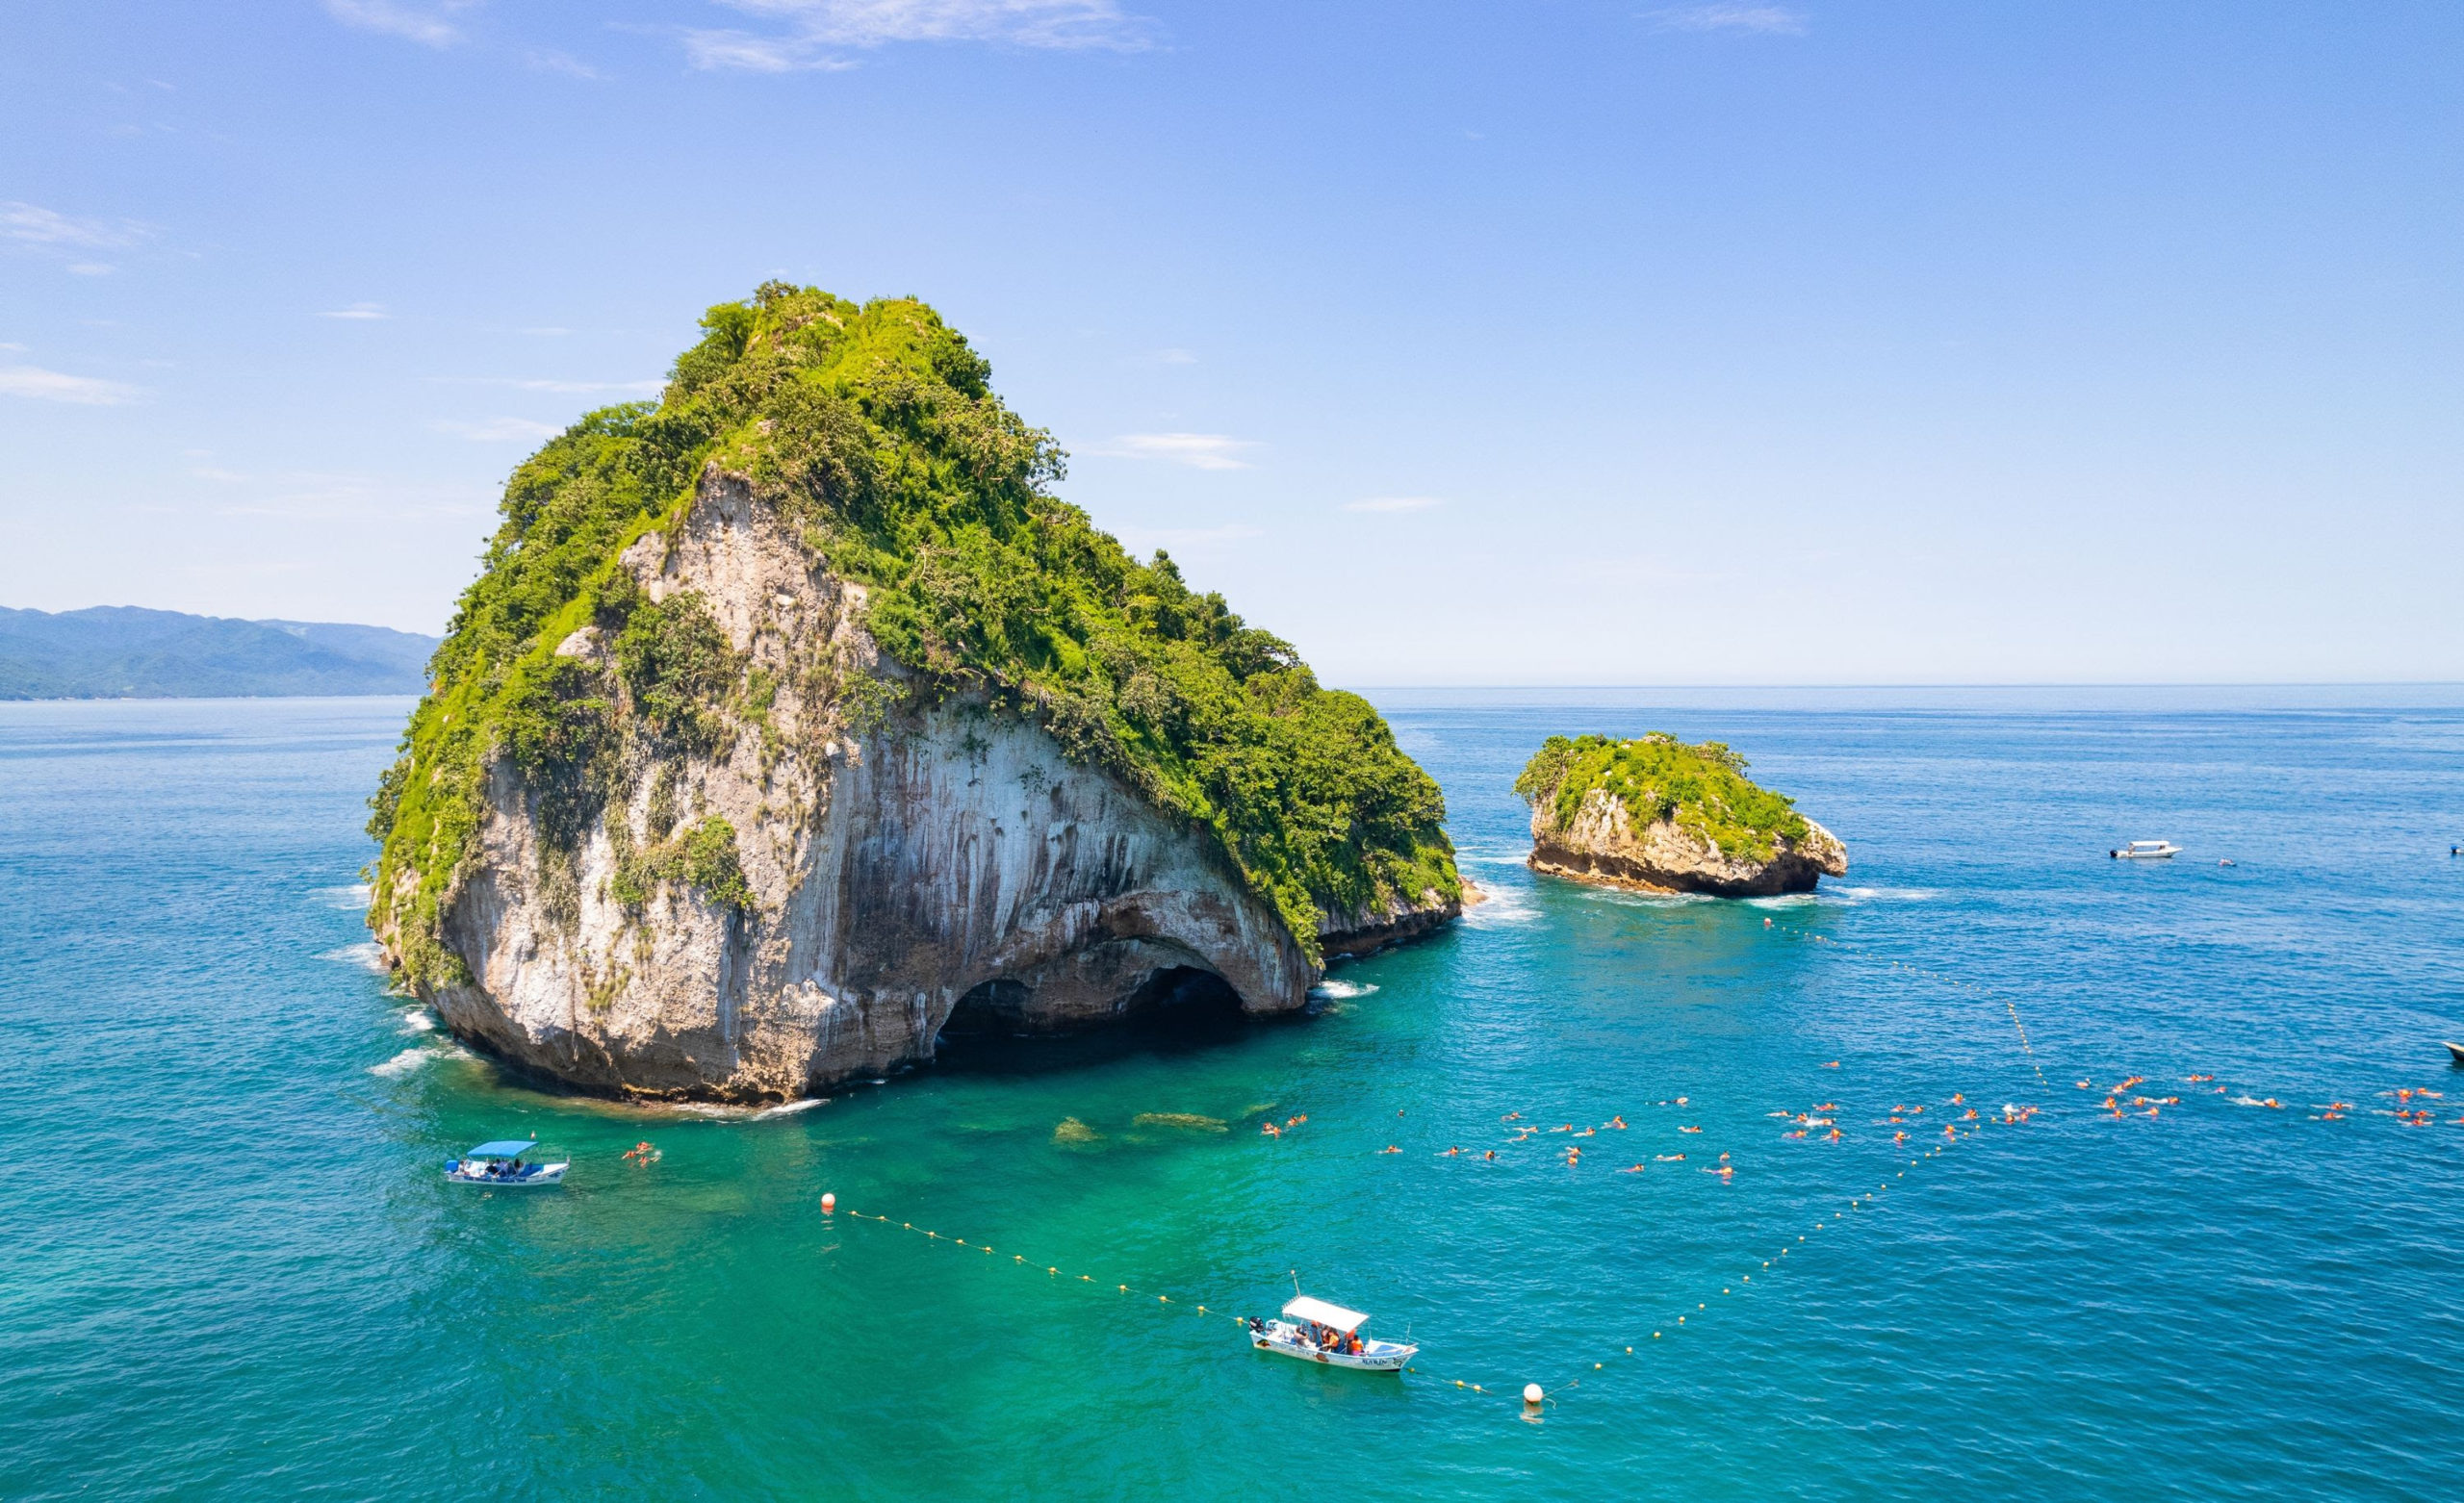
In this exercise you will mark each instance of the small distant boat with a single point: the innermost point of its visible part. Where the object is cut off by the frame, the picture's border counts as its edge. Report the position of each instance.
(1314, 1330)
(2148, 850)
(2457, 1049)
(504, 1162)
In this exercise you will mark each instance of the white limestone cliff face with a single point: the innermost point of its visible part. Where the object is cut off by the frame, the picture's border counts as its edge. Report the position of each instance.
(899, 866)
(1603, 845)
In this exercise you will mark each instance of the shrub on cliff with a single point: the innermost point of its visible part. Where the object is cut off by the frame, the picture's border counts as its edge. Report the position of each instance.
(873, 430)
(1702, 789)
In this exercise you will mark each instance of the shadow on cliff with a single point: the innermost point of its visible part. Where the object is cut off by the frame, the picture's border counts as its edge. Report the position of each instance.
(1179, 1010)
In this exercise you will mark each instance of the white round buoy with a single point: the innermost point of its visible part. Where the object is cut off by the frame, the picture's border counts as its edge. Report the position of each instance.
(829, 1203)
(1532, 1394)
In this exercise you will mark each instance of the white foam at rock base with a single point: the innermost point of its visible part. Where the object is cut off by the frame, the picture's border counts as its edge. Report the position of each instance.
(366, 955)
(787, 1109)
(1343, 991)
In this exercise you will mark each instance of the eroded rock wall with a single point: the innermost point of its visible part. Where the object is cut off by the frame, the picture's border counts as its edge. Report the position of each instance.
(897, 864)
(1603, 845)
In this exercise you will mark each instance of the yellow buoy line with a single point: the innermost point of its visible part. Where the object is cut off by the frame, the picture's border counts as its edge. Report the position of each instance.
(1535, 1394)
(1531, 1393)
(1531, 1397)
(1052, 1272)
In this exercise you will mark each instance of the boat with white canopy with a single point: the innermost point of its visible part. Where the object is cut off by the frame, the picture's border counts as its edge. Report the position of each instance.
(1314, 1330)
(506, 1162)
(2148, 850)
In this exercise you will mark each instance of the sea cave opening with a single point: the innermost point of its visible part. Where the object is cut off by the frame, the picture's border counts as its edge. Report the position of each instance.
(1178, 1008)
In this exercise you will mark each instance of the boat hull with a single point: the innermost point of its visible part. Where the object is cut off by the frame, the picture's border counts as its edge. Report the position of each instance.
(544, 1174)
(1379, 1356)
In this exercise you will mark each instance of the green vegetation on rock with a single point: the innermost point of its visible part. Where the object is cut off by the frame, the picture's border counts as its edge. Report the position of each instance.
(1702, 788)
(873, 432)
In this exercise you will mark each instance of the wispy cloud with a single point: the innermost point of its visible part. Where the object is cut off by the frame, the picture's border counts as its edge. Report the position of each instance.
(1197, 450)
(560, 388)
(424, 25)
(565, 62)
(498, 430)
(33, 224)
(751, 54)
(1393, 503)
(55, 386)
(90, 269)
(1732, 15)
(811, 27)
(361, 311)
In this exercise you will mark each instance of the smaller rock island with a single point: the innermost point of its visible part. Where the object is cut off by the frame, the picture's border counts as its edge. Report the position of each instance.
(1657, 815)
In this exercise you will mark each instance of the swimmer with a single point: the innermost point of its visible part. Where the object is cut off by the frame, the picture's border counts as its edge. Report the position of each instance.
(1619, 1123)
(1689, 1130)
(1493, 1154)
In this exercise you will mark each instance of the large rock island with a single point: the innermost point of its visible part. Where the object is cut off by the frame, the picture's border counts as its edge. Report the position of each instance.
(1658, 815)
(794, 720)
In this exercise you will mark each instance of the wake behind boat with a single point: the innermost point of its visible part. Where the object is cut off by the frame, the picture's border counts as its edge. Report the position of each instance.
(503, 1162)
(1317, 1332)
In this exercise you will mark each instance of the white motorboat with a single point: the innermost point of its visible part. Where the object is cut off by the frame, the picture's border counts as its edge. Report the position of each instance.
(2148, 850)
(505, 1163)
(1314, 1330)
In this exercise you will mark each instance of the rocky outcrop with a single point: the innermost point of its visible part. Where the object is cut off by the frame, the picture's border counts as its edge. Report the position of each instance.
(934, 865)
(1602, 845)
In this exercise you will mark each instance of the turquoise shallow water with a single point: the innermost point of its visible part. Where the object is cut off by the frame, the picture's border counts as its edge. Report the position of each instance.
(233, 1270)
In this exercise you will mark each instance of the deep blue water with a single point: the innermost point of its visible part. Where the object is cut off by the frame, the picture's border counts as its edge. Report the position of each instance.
(232, 1268)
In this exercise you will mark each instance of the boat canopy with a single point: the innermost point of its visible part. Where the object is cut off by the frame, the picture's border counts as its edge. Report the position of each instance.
(503, 1148)
(1332, 1316)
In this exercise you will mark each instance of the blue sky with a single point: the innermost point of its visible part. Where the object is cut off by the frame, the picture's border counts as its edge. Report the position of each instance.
(1551, 341)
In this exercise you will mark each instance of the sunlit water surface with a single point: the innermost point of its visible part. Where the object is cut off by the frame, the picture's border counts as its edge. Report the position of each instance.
(233, 1268)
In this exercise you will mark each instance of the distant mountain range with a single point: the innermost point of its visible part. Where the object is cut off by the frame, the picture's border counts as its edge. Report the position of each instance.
(119, 651)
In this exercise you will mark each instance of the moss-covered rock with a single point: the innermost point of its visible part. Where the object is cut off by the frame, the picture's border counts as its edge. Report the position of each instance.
(1656, 813)
(592, 685)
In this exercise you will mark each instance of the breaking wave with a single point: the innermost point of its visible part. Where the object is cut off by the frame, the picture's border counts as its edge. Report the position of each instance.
(1343, 991)
(403, 1063)
(366, 955)
(788, 1108)
(352, 899)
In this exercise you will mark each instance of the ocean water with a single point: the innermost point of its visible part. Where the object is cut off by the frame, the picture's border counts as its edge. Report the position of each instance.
(233, 1270)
